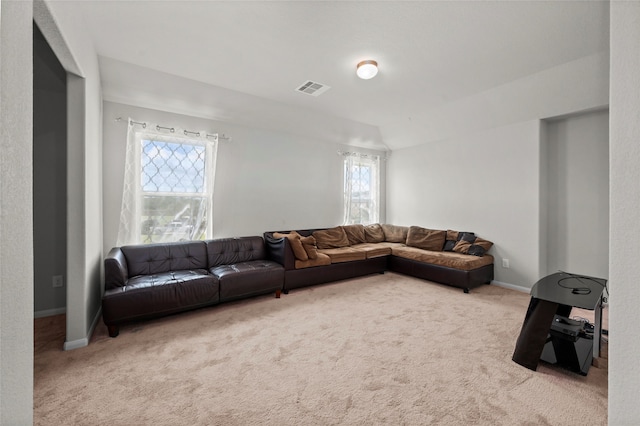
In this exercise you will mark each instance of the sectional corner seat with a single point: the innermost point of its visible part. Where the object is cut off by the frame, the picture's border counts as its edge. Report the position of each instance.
(449, 257)
(151, 280)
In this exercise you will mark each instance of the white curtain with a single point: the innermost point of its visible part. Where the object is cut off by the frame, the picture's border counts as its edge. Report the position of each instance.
(361, 188)
(172, 210)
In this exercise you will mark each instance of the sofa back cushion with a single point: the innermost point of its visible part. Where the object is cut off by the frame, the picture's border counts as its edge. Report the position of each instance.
(373, 233)
(227, 251)
(147, 259)
(331, 238)
(426, 239)
(355, 234)
(394, 233)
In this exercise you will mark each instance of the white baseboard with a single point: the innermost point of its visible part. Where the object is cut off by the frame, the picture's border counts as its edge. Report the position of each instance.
(49, 312)
(511, 286)
(81, 343)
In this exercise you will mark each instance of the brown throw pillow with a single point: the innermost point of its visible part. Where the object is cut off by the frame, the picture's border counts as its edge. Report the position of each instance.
(309, 244)
(373, 233)
(477, 247)
(454, 236)
(296, 244)
(355, 234)
(426, 239)
(331, 238)
(395, 234)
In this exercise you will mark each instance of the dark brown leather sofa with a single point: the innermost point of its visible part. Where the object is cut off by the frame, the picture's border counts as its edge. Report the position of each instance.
(389, 252)
(152, 280)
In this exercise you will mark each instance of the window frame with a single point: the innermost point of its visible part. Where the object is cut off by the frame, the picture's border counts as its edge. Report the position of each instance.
(372, 202)
(138, 228)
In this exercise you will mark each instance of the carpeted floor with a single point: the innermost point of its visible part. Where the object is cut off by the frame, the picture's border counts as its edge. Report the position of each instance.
(378, 350)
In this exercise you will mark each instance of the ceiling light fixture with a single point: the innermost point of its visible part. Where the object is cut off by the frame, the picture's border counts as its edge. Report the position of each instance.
(367, 69)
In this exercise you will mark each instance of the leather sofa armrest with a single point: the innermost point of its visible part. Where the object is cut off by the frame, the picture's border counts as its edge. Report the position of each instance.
(116, 273)
(279, 250)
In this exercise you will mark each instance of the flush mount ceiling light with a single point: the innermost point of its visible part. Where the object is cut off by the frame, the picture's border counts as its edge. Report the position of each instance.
(367, 69)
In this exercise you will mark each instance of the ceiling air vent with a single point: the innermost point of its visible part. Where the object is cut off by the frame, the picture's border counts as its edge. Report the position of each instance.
(313, 88)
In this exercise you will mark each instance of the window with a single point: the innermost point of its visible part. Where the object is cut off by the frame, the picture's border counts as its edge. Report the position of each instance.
(361, 189)
(168, 187)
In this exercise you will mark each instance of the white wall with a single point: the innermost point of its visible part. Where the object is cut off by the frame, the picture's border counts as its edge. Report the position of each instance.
(624, 267)
(16, 232)
(487, 183)
(265, 180)
(577, 238)
(574, 86)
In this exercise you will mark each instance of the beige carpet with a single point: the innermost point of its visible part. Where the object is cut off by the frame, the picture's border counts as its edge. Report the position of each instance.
(378, 350)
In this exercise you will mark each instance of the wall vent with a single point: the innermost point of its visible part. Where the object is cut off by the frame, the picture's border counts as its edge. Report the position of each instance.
(313, 88)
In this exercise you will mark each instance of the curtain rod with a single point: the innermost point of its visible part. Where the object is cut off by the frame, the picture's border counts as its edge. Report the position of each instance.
(172, 130)
(360, 154)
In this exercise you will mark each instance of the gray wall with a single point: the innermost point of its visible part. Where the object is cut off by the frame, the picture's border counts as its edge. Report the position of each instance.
(538, 190)
(49, 177)
(16, 209)
(577, 156)
(265, 180)
(487, 182)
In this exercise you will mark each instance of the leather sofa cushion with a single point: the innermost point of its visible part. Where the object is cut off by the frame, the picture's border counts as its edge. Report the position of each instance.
(151, 259)
(227, 251)
(331, 238)
(355, 233)
(344, 254)
(166, 278)
(374, 249)
(426, 239)
(148, 296)
(320, 260)
(248, 278)
(464, 262)
(394, 233)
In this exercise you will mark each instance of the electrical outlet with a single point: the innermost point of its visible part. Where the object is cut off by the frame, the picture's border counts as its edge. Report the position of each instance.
(505, 263)
(58, 281)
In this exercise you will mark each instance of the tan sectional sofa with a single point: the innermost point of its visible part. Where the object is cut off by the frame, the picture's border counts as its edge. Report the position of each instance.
(317, 256)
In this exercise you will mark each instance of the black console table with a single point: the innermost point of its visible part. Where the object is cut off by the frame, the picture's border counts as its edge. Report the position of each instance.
(552, 298)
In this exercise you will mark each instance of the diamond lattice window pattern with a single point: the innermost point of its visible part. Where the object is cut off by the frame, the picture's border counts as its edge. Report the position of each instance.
(172, 167)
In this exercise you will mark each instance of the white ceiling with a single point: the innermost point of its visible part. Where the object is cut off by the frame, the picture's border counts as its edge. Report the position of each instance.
(241, 61)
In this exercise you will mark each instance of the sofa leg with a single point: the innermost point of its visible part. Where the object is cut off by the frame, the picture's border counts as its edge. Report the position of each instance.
(278, 294)
(285, 291)
(114, 330)
(466, 289)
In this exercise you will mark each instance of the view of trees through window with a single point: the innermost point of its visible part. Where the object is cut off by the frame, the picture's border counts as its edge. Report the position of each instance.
(174, 201)
(361, 190)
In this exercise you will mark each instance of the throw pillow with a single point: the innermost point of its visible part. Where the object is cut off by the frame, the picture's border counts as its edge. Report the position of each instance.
(394, 233)
(373, 233)
(331, 238)
(355, 234)
(454, 236)
(426, 239)
(309, 244)
(477, 247)
(296, 244)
